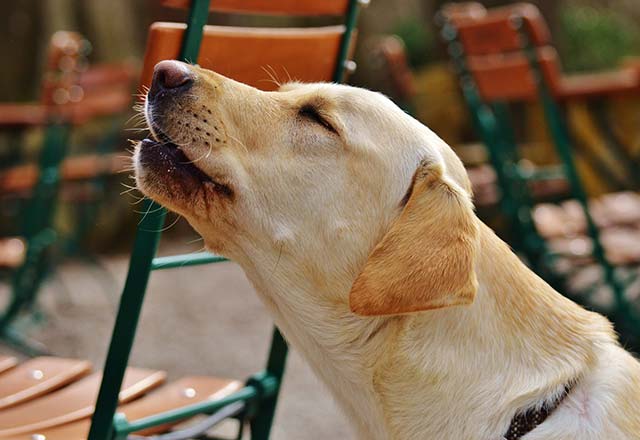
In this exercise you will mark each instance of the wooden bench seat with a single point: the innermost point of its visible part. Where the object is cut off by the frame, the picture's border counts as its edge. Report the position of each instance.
(186, 391)
(52, 398)
(567, 219)
(617, 215)
(39, 376)
(73, 402)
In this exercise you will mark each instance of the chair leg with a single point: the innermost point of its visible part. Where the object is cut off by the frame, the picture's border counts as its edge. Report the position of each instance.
(262, 420)
(38, 225)
(145, 245)
(26, 283)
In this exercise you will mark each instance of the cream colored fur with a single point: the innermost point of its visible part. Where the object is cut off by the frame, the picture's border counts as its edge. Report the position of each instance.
(310, 205)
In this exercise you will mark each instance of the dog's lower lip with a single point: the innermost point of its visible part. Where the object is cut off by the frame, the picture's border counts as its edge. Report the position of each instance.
(180, 160)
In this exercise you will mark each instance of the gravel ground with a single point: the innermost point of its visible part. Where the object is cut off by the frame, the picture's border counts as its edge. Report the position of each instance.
(199, 320)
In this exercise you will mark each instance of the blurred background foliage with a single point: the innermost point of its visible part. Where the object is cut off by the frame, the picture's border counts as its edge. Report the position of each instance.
(596, 38)
(418, 39)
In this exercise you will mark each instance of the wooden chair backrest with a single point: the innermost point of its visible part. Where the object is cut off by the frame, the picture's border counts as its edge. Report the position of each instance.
(275, 7)
(495, 51)
(509, 77)
(495, 31)
(252, 55)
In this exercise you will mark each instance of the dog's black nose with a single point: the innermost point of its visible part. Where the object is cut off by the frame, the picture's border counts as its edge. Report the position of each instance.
(170, 76)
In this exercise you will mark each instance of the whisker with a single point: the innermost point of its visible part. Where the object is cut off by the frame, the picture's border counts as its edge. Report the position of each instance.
(159, 208)
(139, 200)
(239, 142)
(272, 76)
(145, 214)
(166, 228)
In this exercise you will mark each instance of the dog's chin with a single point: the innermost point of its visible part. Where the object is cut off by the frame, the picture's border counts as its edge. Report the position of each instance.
(165, 174)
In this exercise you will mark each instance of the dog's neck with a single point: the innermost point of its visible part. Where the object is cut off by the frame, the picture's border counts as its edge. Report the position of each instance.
(518, 327)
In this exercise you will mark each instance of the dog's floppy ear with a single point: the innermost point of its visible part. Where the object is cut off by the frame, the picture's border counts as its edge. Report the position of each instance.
(426, 259)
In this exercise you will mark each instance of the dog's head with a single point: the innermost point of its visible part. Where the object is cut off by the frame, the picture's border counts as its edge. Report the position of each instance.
(332, 181)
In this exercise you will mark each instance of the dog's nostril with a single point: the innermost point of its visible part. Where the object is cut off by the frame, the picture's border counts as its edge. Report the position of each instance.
(171, 75)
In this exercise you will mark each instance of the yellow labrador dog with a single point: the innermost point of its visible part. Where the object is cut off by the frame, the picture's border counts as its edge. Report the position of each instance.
(355, 224)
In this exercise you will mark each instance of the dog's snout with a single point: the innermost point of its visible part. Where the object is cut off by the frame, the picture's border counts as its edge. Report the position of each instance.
(170, 76)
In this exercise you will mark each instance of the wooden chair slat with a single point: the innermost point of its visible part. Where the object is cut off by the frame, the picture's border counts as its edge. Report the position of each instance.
(21, 114)
(73, 402)
(275, 7)
(23, 177)
(495, 31)
(183, 392)
(265, 51)
(509, 76)
(7, 363)
(39, 376)
(604, 84)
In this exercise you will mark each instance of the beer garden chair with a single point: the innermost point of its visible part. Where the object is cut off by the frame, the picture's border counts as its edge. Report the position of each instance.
(504, 56)
(72, 95)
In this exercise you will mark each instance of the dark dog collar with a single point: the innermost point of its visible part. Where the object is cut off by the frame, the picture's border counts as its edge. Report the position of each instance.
(525, 422)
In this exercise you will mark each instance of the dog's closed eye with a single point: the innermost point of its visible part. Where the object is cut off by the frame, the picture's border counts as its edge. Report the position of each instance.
(311, 113)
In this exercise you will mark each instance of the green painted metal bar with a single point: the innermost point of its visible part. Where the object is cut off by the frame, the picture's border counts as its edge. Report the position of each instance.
(560, 134)
(516, 202)
(264, 411)
(262, 388)
(37, 227)
(345, 42)
(245, 394)
(184, 260)
(198, 14)
(145, 246)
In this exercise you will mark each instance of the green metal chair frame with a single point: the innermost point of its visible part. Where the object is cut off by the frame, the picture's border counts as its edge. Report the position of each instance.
(38, 216)
(261, 390)
(493, 124)
(39, 234)
(37, 229)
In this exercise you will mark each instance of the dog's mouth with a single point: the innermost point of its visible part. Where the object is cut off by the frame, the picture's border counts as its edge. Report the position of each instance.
(162, 153)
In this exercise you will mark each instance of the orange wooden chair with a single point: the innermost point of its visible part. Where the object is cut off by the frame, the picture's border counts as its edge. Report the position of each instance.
(504, 56)
(48, 398)
(72, 95)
